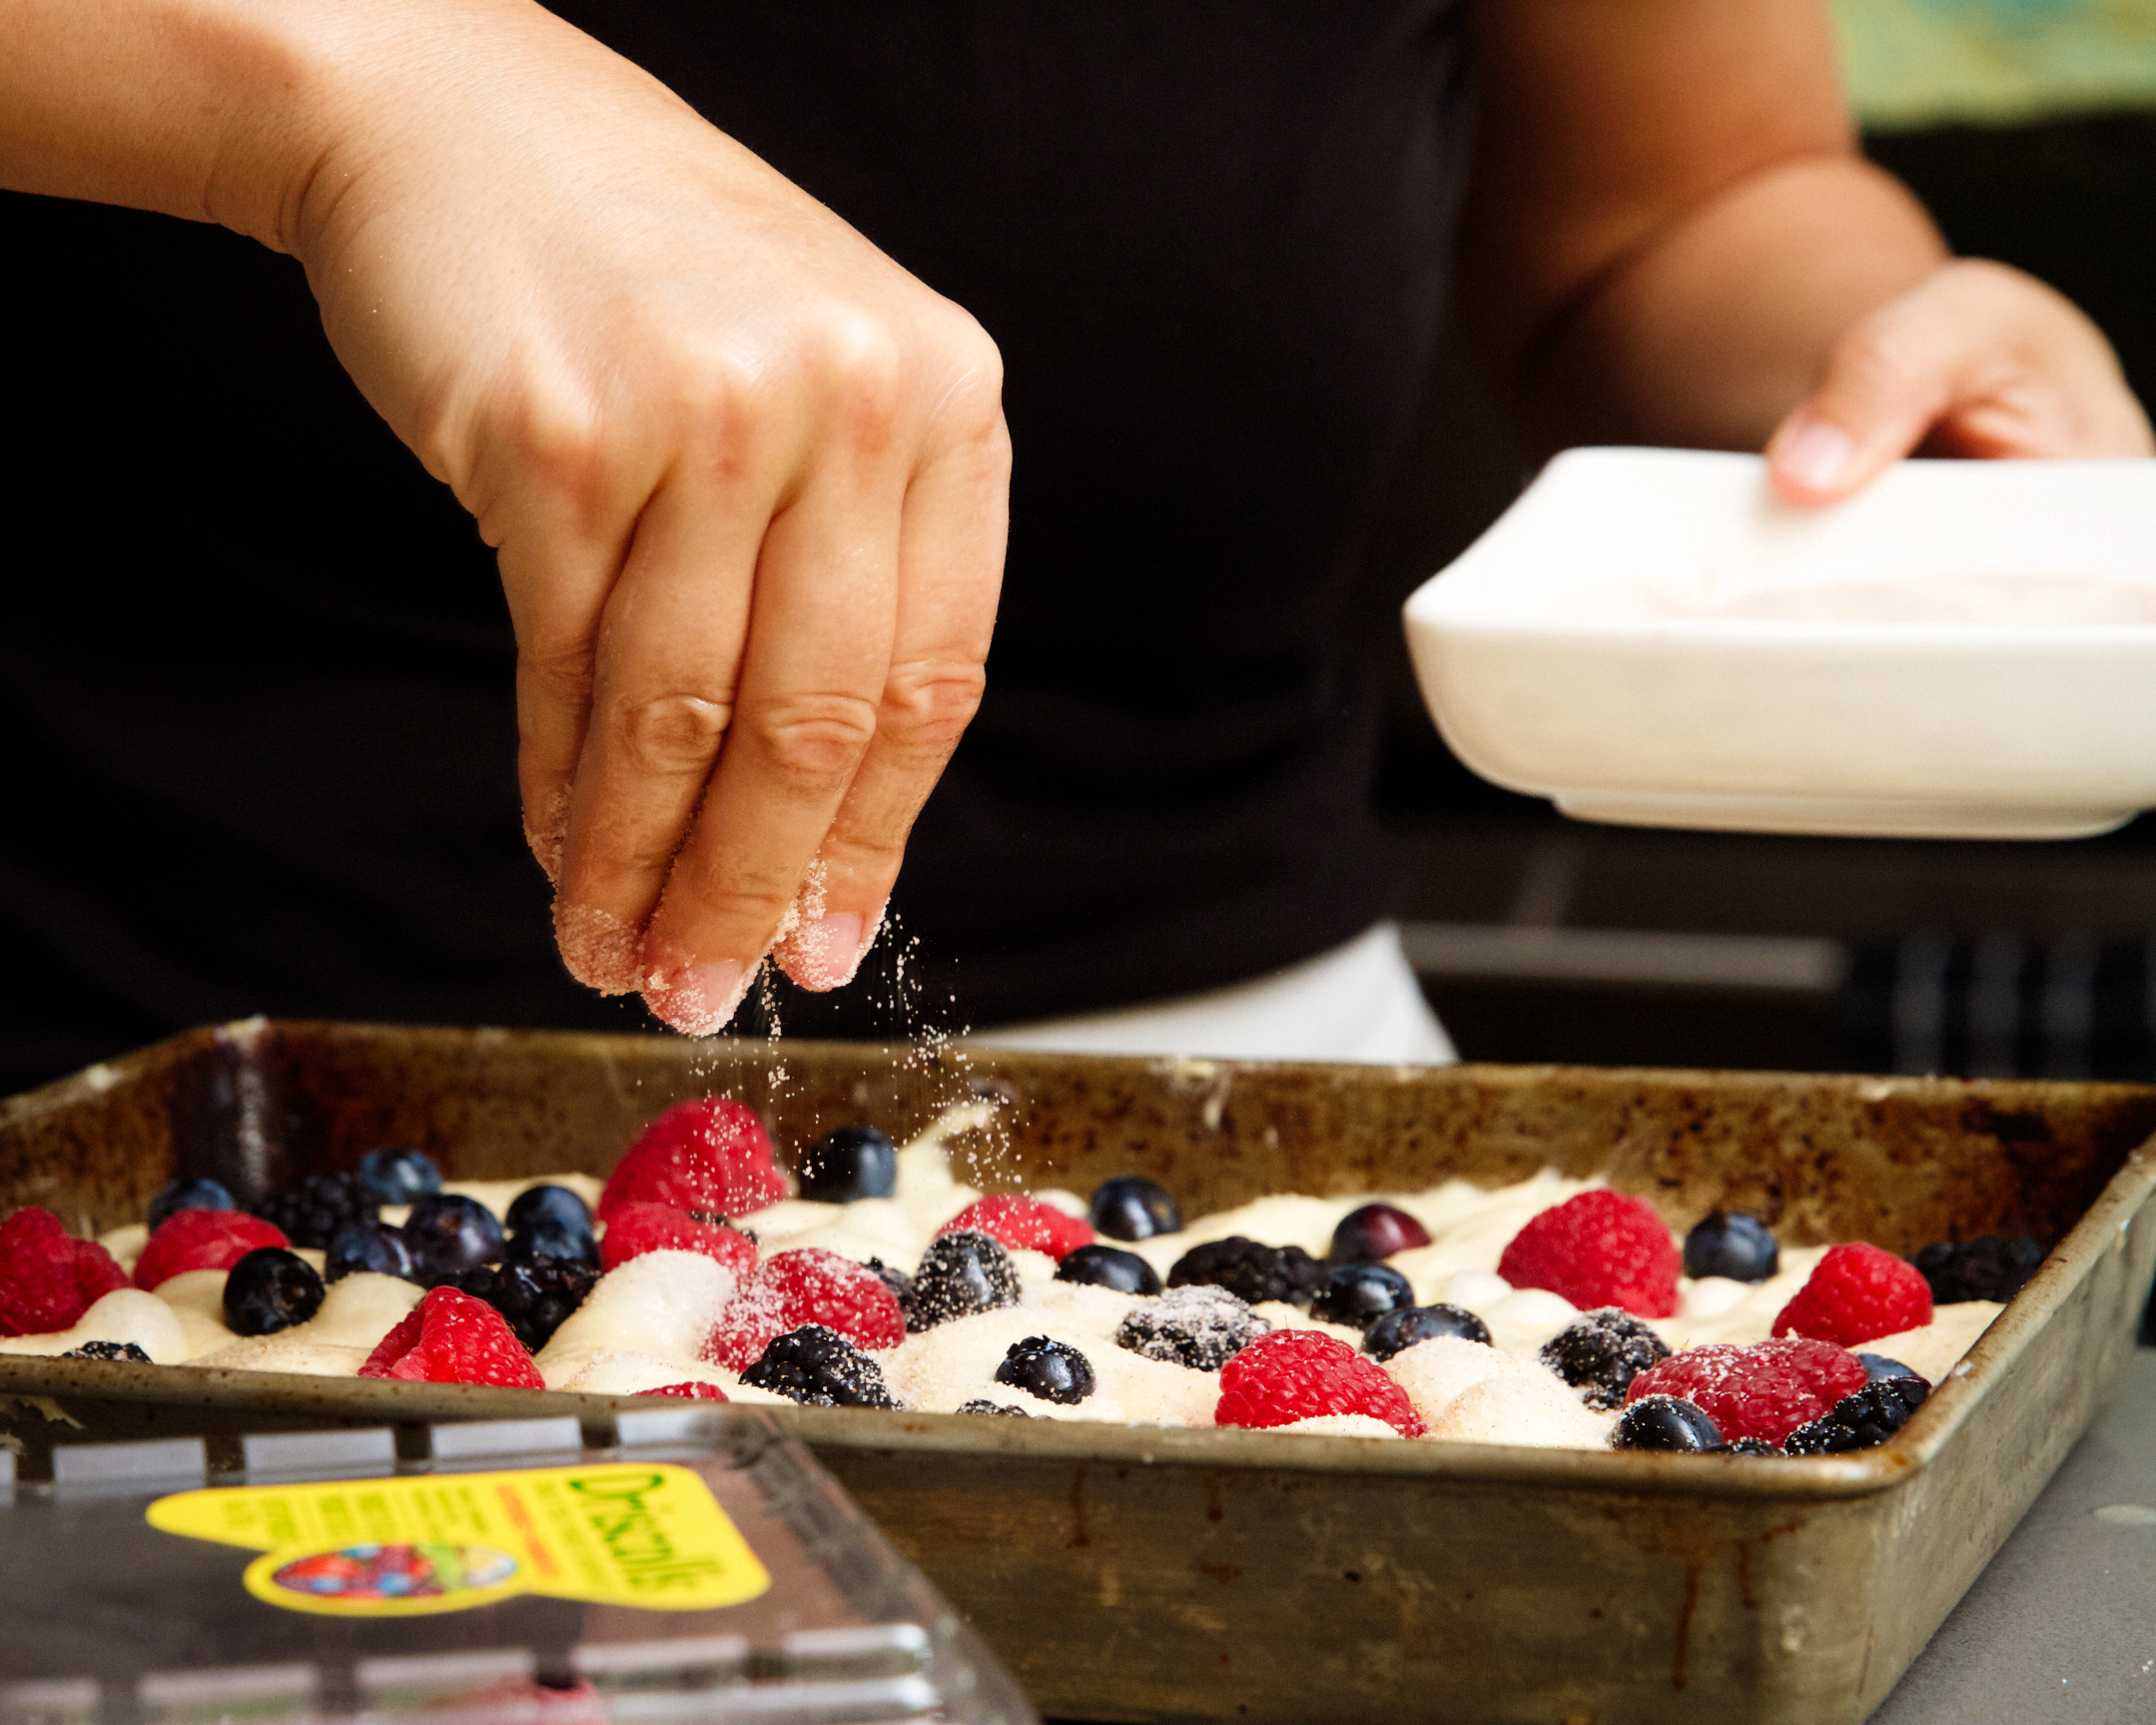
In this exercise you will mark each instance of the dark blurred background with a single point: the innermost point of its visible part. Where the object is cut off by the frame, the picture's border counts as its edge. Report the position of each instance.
(1544, 939)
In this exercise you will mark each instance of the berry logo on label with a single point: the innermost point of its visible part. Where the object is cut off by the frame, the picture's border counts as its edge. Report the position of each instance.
(609, 1536)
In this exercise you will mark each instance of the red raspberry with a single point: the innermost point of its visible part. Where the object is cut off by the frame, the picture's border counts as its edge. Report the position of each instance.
(1857, 1293)
(1767, 1389)
(202, 1240)
(1599, 1248)
(694, 1391)
(1024, 1224)
(712, 1157)
(635, 1229)
(453, 1339)
(1291, 1374)
(808, 1285)
(48, 1278)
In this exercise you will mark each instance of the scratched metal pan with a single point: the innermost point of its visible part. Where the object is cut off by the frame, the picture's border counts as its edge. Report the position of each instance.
(1133, 1573)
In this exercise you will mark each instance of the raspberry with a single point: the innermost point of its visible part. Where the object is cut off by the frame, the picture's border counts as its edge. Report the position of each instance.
(1599, 1248)
(1022, 1224)
(202, 1240)
(1765, 1390)
(694, 1390)
(635, 1229)
(48, 1278)
(712, 1157)
(1291, 1374)
(793, 1289)
(1857, 1293)
(453, 1339)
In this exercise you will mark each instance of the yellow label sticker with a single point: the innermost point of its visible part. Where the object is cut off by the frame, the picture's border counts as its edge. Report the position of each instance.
(610, 1535)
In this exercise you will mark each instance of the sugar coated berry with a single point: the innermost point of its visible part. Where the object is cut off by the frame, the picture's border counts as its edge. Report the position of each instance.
(1108, 1266)
(48, 1278)
(1291, 1374)
(636, 1228)
(695, 1390)
(1665, 1422)
(1601, 1352)
(312, 1213)
(373, 1246)
(453, 1339)
(1050, 1371)
(1375, 1230)
(1396, 1332)
(1357, 1294)
(850, 1163)
(1022, 1224)
(1251, 1271)
(1730, 1242)
(187, 1194)
(1854, 1293)
(1765, 1390)
(396, 1176)
(982, 1404)
(1202, 1327)
(126, 1352)
(201, 1239)
(819, 1368)
(960, 1274)
(1599, 1248)
(1862, 1419)
(1991, 1266)
(1131, 1207)
(808, 1286)
(270, 1290)
(448, 1233)
(711, 1156)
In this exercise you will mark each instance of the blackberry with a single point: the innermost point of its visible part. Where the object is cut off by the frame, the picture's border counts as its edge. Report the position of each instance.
(1730, 1242)
(1357, 1294)
(312, 1213)
(534, 1297)
(1991, 1266)
(399, 1176)
(1862, 1421)
(1131, 1207)
(1374, 1231)
(900, 1284)
(982, 1404)
(447, 1235)
(1250, 1271)
(1750, 1446)
(1101, 1265)
(819, 1368)
(1394, 1332)
(853, 1162)
(1601, 1352)
(185, 1194)
(1665, 1422)
(367, 1245)
(271, 1290)
(959, 1274)
(110, 1349)
(1052, 1370)
(1202, 1327)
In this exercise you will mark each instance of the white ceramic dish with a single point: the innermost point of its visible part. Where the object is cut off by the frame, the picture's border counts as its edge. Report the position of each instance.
(1966, 650)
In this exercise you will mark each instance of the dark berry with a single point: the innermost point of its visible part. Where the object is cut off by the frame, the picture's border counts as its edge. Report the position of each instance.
(900, 1284)
(1101, 1265)
(1730, 1242)
(1751, 1447)
(312, 1213)
(108, 1351)
(549, 1237)
(1862, 1421)
(1375, 1230)
(185, 1194)
(1052, 1370)
(982, 1404)
(1131, 1207)
(1601, 1352)
(959, 1274)
(1877, 1367)
(369, 1246)
(271, 1290)
(1358, 1294)
(1988, 1267)
(555, 1204)
(399, 1176)
(1393, 1331)
(447, 1235)
(853, 1162)
(1252, 1272)
(534, 1297)
(1665, 1422)
(819, 1368)
(1202, 1327)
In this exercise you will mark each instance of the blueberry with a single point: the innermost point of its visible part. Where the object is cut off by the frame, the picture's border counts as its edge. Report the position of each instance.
(1131, 1207)
(982, 1404)
(447, 1235)
(548, 1239)
(534, 1297)
(1391, 1332)
(1730, 1242)
(1989, 1268)
(1052, 1370)
(960, 1272)
(537, 1203)
(1375, 1230)
(271, 1290)
(818, 1368)
(399, 1176)
(122, 1351)
(1751, 1446)
(1250, 1271)
(852, 1162)
(1202, 1327)
(185, 1194)
(1108, 1266)
(1665, 1422)
(369, 1246)
(1601, 1352)
(1358, 1294)
(1877, 1367)
(1862, 1420)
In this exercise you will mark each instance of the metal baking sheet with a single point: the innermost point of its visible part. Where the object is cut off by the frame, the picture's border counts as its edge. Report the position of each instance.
(1141, 1574)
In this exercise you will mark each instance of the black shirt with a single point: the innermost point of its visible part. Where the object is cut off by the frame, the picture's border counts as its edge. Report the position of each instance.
(256, 679)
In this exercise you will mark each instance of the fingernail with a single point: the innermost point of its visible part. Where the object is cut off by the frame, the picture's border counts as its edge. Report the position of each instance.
(698, 999)
(1815, 455)
(600, 951)
(826, 953)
